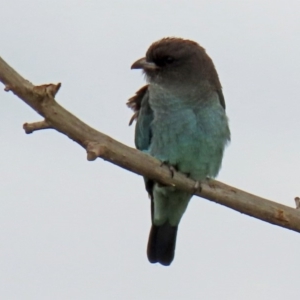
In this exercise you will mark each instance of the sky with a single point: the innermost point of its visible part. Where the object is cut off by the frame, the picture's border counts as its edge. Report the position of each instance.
(73, 229)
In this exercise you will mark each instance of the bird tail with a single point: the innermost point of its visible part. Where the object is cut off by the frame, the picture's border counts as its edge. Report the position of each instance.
(161, 243)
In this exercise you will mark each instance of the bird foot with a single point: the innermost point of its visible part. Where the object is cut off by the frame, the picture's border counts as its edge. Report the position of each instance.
(172, 169)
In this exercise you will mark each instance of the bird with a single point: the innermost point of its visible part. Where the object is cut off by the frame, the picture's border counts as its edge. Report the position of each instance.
(180, 120)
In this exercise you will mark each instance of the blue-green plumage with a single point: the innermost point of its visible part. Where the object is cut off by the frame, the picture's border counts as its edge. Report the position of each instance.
(181, 121)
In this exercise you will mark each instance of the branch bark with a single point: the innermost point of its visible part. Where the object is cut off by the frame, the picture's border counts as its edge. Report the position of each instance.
(97, 144)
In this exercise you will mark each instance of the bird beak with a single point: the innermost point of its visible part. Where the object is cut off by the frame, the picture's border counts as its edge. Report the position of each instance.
(142, 63)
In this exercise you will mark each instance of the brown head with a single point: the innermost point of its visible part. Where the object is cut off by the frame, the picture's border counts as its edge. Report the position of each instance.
(176, 60)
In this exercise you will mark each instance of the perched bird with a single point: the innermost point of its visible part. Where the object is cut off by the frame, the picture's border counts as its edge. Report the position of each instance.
(181, 121)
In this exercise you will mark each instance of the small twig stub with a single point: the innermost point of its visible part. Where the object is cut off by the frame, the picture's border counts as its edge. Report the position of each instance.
(297, 200)
(31, 127)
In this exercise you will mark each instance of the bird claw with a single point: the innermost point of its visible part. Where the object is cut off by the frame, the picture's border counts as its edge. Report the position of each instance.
(197, 187)
(172, 169)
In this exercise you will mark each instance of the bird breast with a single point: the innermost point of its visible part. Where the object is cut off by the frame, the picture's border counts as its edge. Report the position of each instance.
(189, 134)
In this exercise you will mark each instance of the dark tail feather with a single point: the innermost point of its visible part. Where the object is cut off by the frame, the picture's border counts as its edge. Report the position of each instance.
(161, 244)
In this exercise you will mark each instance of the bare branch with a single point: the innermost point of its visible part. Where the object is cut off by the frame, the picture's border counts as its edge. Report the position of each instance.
(97, 144)
(31, 127)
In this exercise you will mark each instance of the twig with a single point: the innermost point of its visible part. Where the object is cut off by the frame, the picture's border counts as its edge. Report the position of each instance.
(31, 127)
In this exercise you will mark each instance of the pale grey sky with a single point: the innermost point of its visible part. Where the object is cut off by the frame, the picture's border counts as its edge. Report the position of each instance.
(72, 229)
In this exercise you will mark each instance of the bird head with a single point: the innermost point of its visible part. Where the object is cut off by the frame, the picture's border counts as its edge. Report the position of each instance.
(177, 61)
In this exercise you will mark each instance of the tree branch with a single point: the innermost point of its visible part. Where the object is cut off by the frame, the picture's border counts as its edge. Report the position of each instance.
(97, 144)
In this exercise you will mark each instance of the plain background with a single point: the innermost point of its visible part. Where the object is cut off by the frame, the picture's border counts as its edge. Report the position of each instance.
(73, 229)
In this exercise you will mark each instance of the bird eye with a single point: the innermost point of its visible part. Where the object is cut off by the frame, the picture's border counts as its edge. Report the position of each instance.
(169, 59)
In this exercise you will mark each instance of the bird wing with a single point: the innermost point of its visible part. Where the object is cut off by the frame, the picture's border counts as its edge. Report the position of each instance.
(143, 115)
(221, 98)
